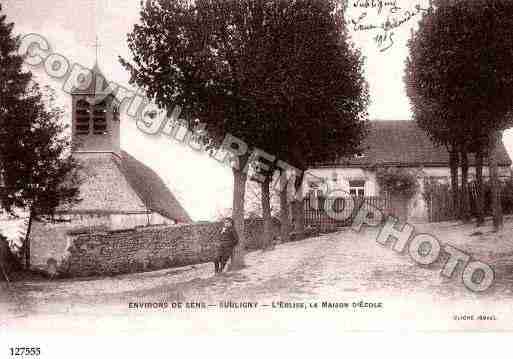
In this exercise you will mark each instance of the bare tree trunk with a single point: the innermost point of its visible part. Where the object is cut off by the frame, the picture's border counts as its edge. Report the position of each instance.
(465, 203)
(27, 239)
(454, 163)
(299, 224)
(239, 190)
(480, 188)
(299, 216)
(494, 141)
(266, 213)
(284, 215)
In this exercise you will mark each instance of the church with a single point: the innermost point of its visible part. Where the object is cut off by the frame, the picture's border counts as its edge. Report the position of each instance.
(117, 192)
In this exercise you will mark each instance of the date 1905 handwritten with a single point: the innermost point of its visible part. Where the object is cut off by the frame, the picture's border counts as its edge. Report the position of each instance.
(387, 22)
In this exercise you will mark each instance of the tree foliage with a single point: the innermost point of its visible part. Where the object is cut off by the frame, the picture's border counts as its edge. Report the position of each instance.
(459, 73)
(459, 80)
(259, 70)
(36, 167)
(279, 75)
(398, 181)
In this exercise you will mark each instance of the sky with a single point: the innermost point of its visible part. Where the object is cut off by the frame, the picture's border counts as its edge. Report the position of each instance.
(203, 185)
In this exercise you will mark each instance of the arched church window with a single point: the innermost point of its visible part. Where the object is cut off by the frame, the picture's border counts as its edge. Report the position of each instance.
(100, 119)
(83, 117)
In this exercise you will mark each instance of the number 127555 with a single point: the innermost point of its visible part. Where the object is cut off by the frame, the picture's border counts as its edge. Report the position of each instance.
(25, 351)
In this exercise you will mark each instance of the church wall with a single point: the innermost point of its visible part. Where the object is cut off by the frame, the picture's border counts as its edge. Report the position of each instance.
(140, 249)
(14, 230)
(123, 221)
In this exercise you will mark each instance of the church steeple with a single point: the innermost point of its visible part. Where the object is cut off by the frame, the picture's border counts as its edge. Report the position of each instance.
(96, 81)
(95, 117)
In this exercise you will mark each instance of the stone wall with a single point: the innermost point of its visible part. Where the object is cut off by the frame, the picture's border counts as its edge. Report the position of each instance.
(52, 241)
(86, 253)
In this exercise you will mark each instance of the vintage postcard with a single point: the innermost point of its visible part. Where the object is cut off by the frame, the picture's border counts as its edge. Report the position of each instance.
(261, 167)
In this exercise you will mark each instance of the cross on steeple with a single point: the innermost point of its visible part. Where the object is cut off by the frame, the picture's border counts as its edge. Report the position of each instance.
(97, 46)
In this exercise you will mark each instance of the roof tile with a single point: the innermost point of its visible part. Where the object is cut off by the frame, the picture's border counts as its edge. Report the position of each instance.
(403, 143)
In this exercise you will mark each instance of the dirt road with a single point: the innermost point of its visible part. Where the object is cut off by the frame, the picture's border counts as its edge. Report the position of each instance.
(344, 281)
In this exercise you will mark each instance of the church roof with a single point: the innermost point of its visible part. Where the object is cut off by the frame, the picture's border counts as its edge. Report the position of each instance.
(98, 81)
(151, 189)
(120, 184)
(403, 143)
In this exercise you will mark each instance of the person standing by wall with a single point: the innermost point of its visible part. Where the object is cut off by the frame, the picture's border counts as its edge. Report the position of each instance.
(228, 240)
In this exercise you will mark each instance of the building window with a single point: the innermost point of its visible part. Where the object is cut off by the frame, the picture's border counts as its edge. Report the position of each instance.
(83, 117)
(357, 188)
(315, 188)
(100, 119)
(87, 113)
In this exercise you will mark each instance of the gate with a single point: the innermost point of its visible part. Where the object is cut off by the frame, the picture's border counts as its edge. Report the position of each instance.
(343, 210)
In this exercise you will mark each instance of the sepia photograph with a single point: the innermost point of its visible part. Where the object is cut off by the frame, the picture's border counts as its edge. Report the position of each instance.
(254, 167)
